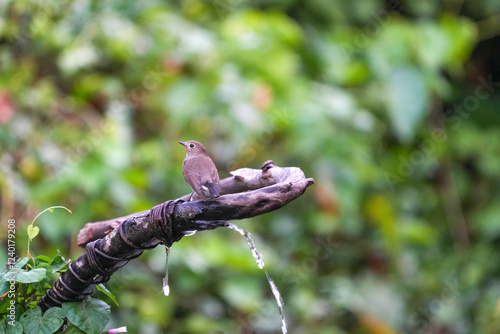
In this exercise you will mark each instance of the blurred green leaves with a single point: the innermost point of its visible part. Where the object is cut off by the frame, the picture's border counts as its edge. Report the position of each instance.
(378, 103)
(408, 101)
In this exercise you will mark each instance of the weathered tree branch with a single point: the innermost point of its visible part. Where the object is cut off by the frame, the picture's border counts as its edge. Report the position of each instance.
(273, 187)
(242, 180)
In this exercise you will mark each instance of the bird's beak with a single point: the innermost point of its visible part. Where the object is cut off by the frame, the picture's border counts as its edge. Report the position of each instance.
(182, 143)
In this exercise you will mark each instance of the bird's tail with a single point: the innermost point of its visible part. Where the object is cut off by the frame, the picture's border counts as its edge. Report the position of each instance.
(213, 189)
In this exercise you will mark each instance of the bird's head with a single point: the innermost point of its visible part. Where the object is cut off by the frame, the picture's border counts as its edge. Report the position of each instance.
(193, 147)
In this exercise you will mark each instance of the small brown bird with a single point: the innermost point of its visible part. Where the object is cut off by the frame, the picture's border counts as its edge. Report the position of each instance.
(200, 171)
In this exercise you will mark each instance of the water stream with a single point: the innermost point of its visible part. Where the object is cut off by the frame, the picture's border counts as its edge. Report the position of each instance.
(248, 236)
(260, 262)
(279, 302)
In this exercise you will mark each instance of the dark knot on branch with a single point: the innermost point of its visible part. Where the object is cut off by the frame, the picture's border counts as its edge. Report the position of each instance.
(161, 222)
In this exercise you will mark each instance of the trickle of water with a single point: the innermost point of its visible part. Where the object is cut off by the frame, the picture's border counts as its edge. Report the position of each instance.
(166, 287)
(279, 302)
(260, 262)
(248, 236)
(189, 233)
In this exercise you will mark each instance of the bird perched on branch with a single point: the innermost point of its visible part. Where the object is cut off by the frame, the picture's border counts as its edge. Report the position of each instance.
(200, 171)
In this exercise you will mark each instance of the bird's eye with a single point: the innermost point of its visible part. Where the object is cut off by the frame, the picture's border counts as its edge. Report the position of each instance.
(192, 145)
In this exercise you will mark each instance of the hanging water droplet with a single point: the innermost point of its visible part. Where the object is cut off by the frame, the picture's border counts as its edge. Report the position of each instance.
(166, 287)
(189, 233)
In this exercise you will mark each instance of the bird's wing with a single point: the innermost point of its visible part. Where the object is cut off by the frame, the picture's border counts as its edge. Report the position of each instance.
(214, 175)
(191, 173)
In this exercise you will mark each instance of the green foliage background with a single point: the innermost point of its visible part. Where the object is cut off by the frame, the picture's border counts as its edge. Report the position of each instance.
(390, 106)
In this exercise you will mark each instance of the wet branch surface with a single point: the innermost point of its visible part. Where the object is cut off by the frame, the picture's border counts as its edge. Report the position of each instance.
(112, 243)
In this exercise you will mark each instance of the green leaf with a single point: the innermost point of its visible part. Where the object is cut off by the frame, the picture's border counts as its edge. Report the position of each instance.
(90, 315)
(33, 231)
(4, 287)
(72, 329)
(32, 276)
(21, 262)
(16, 329)
(44, 258)
(6, 324)
(408, 101)
(47, 267)
(58, 263)
(11, 274)
(34, 323)
(6, 278)
(101, 287)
